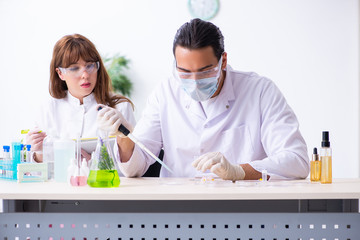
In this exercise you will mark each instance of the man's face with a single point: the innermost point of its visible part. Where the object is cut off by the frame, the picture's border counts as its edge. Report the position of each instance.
(197, 60)
(200, 61)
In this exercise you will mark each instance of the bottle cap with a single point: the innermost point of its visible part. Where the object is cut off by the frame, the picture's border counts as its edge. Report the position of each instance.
(28, 147)
(325, 139)
(315, 156)
(315, 151)
(17, 147)
(6, 148)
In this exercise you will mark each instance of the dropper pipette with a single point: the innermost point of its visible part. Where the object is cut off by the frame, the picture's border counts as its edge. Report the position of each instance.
(127, 133)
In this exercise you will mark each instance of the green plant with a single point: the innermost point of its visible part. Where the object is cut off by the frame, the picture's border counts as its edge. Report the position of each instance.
(115, 67)
(105, 161)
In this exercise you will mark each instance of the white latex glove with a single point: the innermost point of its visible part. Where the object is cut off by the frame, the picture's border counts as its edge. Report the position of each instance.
(109, 119)
(35, 138)
(218, 164)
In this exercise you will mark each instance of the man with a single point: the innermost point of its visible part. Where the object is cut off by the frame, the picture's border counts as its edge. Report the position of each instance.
(210, 117)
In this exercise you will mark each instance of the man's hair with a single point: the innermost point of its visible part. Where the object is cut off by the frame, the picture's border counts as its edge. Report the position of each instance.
(198, 34)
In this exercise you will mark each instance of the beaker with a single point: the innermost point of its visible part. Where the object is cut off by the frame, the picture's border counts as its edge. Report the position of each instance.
(64, 150)
(103, 172)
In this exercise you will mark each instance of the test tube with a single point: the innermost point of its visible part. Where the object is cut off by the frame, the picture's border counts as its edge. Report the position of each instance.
(264, 175)
(6, 156)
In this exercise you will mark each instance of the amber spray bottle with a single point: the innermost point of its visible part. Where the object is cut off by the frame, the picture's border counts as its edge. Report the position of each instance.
(315, 167)
(326, 159)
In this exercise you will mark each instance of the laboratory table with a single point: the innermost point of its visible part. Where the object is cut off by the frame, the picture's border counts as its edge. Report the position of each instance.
(182, 208)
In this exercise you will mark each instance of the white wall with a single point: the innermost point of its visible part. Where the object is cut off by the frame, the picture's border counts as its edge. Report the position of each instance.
(310, 49)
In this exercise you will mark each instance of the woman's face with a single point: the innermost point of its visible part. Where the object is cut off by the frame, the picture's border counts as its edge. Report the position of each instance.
(80, 78)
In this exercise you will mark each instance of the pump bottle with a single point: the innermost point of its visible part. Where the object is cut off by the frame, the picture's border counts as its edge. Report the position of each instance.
(315, 167)
(326, 159)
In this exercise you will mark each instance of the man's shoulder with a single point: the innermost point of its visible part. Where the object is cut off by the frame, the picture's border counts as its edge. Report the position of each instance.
(168, 86)
(250, 79)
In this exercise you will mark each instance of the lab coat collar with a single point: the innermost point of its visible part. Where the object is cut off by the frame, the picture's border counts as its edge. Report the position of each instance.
(88, 101)
(222, 101)
(227, 92)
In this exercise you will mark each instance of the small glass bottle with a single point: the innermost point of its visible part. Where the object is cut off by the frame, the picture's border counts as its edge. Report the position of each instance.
(326, 159)
(315, 167)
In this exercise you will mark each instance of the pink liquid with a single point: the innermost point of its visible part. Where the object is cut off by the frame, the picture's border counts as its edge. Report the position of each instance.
(78, 180)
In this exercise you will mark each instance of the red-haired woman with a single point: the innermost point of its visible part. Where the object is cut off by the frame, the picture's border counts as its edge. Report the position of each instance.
(78, 83)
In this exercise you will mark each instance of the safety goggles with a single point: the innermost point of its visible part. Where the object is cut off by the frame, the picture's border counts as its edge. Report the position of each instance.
(77, 70)
(213, 72)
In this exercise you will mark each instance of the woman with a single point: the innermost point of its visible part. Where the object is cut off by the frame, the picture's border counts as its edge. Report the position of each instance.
(78, 83)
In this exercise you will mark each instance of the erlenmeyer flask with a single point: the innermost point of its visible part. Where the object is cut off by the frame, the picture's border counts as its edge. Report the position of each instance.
(103, 172)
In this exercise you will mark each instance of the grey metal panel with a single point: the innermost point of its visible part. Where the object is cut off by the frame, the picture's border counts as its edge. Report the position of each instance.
(230, 206)
(127, 226)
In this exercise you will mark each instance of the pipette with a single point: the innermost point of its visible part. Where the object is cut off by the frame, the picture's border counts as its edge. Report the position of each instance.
(127, 133)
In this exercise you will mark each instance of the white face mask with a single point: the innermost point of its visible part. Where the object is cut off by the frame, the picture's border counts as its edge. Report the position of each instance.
(203, 86)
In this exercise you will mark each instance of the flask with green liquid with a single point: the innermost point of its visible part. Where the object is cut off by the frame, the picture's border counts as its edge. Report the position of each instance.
(103, 173)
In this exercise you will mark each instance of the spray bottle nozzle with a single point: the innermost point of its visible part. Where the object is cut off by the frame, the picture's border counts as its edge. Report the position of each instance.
(325, 139)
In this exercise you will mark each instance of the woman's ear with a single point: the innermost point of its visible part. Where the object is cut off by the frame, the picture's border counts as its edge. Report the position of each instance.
(61, 75)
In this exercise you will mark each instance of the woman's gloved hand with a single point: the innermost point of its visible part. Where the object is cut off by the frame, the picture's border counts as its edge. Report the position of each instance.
(35, 138)
(217, 163)
(109, 119)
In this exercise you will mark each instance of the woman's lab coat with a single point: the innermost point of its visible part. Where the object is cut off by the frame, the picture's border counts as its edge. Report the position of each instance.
(248, 122)
(68, 118)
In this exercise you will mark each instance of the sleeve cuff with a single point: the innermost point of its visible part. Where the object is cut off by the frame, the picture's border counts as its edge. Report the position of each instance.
(135, 167)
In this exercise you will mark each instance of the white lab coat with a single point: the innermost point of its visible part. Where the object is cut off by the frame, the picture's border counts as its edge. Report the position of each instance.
(68, 118)
(249, 122)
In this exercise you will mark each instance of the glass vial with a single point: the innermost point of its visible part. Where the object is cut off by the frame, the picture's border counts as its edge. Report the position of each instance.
(315, 167)
(326, 159)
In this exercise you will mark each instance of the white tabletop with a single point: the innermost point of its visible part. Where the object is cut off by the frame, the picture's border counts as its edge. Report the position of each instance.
(185, 189)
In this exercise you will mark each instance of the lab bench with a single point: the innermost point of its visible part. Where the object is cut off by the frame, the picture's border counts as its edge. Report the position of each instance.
(182, 208)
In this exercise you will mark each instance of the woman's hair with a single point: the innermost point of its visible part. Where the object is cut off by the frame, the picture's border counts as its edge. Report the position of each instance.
(198, 34)
(68, 50)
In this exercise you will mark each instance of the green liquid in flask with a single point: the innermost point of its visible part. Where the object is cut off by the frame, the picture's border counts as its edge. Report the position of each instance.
(103, 179)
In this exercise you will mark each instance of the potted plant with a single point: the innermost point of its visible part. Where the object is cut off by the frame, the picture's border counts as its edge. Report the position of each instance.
(115, 67)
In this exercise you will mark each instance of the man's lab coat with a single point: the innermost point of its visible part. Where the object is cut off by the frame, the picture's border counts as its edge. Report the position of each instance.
(249, 122)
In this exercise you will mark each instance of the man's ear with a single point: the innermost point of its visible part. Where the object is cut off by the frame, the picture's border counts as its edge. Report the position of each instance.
(60, 74)
(224, 61)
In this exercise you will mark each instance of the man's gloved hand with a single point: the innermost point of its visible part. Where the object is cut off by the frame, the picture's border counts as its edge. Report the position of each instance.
(218, 164)
(35, 138)
(109, 119)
